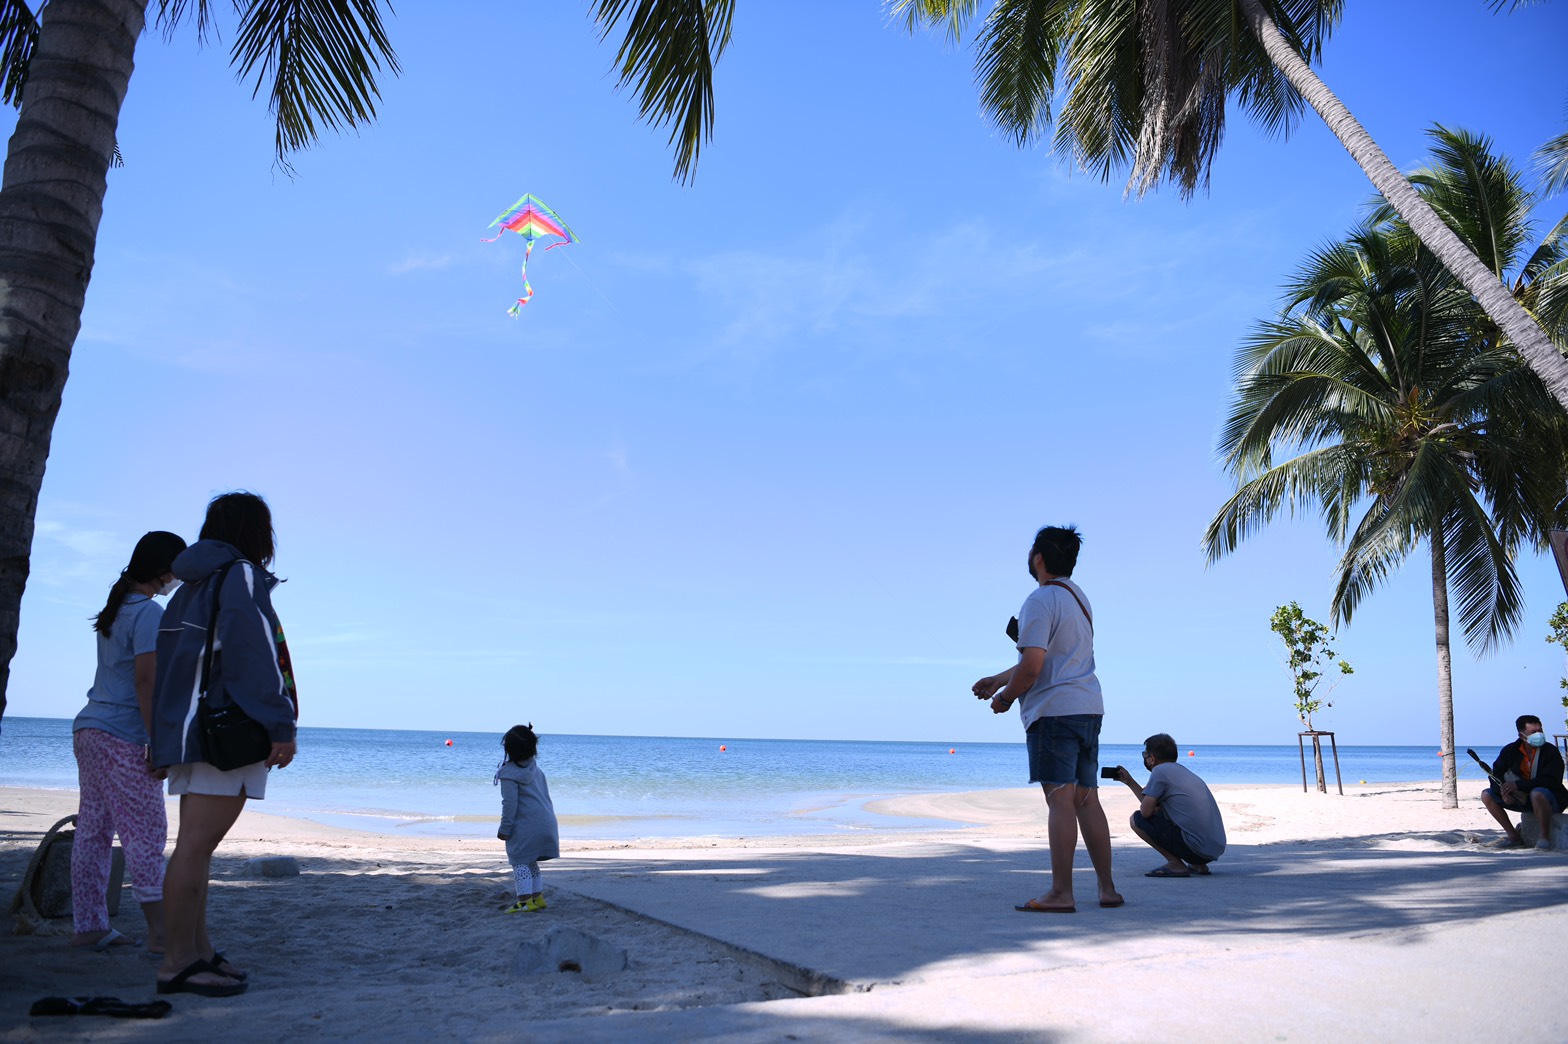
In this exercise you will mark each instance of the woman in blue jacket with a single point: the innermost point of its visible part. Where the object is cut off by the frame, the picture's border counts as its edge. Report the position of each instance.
(249, 668)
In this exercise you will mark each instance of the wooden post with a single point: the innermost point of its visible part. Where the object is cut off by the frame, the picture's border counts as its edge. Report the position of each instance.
(1317, 757)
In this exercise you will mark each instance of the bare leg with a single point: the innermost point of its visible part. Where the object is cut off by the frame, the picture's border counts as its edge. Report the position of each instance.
(152, 913)
(1097, 839)
(1500, 814)
(1172, 861)
(1543, 816)
(204, 820)
(1062, 832)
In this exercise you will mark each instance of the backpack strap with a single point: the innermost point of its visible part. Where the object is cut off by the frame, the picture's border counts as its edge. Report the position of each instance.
(212, 620)
(1069, 590)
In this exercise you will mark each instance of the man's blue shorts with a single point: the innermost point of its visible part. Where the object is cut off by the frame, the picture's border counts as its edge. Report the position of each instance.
(1065, 749)
(1524, 800)
(1165, 833)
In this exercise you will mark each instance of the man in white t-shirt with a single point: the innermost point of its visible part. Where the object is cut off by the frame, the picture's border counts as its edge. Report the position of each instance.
(1177, 815)
(1058, 696)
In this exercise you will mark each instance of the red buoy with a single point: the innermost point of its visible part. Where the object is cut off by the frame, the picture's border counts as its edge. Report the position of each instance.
(722, 748)
(449, 743)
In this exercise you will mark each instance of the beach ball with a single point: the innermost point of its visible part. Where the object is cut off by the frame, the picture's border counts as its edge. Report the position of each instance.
(449, 743)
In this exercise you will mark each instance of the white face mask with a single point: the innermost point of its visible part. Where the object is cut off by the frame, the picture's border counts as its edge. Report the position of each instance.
(1536, 739)
(168, 588)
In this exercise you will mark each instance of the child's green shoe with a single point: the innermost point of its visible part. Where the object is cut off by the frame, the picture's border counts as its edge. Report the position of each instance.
(536, 903)
(521, 906)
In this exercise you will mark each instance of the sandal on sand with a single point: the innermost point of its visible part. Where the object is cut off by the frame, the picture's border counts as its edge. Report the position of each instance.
(1034, 907)
(225, 969)
(113, 940)
(1165, 871)
(1110, 904)
(113, 1007)
(1199, 869)
(181, 983)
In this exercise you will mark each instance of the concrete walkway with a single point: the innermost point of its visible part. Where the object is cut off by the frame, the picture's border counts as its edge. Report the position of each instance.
(1356, 938)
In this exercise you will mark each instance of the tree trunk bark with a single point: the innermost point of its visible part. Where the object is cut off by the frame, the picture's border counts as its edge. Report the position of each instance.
(1445, 673)
(1531, 341)
(1317, 760)
(51, 201)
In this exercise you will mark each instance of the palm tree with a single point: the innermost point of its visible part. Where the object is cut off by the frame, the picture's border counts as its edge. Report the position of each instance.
(68, 69)
(1145, 82)
(1394, 399)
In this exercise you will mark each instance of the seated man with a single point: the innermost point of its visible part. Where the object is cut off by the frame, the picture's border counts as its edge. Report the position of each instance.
(1178, 817)
(1531, 771)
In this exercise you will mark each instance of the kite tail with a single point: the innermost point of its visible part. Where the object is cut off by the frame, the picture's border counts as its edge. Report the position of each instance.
(493, 238)
(528, 293)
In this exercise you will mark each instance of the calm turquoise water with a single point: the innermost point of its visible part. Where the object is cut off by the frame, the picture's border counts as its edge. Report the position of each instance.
(640, 786)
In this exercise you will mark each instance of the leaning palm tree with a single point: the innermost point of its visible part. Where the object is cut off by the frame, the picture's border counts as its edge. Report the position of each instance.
(1403, 421)
(68, 67)
(1145, 82)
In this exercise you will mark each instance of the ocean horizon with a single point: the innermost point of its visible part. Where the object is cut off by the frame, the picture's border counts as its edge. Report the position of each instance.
(616, 787)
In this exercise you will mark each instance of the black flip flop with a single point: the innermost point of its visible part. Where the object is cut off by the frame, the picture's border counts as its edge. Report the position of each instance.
(181, 983)
(113, 1007)
(1030, 907)
(218, 961)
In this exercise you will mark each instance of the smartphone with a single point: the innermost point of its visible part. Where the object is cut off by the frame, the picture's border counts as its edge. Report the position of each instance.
(1114, 772)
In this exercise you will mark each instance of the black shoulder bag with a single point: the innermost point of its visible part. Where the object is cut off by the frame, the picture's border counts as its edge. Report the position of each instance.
(230, 738)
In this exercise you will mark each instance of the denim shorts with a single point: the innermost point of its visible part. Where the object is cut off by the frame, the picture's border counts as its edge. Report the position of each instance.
(1065, 749)
(1524, 799)
(1165, 833)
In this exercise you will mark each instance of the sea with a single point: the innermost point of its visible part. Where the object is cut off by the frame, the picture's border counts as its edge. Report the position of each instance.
(614, 787)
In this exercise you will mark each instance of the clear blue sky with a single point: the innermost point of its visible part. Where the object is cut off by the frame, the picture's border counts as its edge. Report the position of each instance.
(764, 455)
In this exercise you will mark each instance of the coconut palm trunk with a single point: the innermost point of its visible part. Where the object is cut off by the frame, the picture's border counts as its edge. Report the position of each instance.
(51, 202)
(1445, 672)
(1526, 334)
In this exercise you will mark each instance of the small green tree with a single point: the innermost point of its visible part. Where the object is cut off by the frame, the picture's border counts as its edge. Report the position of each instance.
(1559, 636)
(1309, 658)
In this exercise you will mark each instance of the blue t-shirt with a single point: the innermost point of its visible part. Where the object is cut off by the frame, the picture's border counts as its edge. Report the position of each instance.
(1052, 619)
(111, 702)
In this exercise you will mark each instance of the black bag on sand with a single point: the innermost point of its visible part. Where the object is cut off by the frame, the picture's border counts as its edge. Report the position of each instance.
(230, 738)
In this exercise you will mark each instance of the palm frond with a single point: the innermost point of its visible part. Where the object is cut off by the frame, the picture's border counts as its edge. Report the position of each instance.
(318, 60)
(18, 36)
(953, 15)
(667, 56)
(1019, 49)
(1552, 162)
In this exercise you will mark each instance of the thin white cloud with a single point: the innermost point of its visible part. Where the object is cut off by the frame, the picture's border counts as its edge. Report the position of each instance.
(420, 264)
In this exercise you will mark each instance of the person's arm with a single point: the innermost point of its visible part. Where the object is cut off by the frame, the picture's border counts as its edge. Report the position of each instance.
(1020, 679)
(509, 803)
(986, 687)
(1123, 776)
(1501, 768)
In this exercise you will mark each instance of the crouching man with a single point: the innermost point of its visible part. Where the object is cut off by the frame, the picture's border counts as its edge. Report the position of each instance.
(1531, 771)
(1177, 817)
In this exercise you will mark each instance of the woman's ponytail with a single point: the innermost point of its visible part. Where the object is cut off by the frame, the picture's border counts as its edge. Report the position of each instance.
(103, 623)
(154, 555)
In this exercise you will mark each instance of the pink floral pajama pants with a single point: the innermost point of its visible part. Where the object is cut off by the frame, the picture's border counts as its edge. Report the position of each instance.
(118, 797)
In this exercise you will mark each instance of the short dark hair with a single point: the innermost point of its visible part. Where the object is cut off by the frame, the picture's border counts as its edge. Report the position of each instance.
(521, 742)
(1525, 719)
(1161, 746)
(1058, 545)
(243, 520)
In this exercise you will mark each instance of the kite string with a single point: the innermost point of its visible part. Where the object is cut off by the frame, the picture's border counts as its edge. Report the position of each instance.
(601, 293)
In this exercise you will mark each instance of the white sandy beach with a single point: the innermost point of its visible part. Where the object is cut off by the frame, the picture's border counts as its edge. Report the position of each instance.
(1329, 916)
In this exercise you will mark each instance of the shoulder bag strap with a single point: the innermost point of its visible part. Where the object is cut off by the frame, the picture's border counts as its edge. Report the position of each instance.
(212, 620)
(1069, 590)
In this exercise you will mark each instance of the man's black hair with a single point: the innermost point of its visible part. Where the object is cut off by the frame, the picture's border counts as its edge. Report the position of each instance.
(1058, 545)
(1161, 746)
(1525, 719)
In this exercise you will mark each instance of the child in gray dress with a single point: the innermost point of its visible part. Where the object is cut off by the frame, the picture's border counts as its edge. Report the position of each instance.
(527, 817)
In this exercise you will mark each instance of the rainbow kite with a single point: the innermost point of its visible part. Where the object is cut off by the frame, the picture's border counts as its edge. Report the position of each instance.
(532, 220)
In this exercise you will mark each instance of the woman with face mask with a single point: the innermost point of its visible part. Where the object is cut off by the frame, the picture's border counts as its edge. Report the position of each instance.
(120, 792)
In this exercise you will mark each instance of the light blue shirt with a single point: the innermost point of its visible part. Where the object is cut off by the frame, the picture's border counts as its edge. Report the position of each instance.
(1051, 619)
(111, 702)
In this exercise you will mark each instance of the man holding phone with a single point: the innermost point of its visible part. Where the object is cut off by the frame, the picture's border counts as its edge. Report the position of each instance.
(1059, 701)
(1177, 815)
